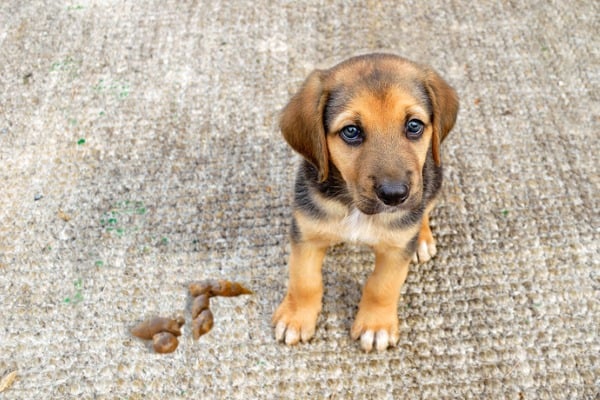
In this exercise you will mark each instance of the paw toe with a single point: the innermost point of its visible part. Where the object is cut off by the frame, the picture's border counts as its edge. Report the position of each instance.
(293, 326)
(286, 333)
(378, 335)
(280, 329)
(292, 336)
(425, 252)
(366, 341)
(380, 340)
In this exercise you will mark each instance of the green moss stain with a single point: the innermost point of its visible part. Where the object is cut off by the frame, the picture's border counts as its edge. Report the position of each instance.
(123, 217)
(77, 295)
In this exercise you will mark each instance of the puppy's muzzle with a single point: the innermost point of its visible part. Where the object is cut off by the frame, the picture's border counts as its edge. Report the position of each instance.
(392, 193)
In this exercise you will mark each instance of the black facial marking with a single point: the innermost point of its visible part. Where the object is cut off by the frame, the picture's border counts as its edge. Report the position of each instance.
(303, 198)
(432, 178)
(334, 187)
(295, 233)
(307, 185)
(409, 219)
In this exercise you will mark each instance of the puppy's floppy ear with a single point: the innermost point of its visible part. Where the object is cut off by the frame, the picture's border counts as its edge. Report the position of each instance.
(445, 108)
(302, 123)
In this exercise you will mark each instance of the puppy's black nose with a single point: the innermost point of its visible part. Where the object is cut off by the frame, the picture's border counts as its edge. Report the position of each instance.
(392, 193)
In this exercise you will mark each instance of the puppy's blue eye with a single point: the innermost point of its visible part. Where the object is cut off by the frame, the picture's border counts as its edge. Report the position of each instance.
(352, 135)
(414, 129)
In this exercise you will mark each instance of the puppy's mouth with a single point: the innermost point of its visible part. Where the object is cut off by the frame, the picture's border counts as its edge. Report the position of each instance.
(374, 206)
(371, 206)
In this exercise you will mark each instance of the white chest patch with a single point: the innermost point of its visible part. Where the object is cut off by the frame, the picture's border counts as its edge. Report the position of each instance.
(359, 227)
(345, 225)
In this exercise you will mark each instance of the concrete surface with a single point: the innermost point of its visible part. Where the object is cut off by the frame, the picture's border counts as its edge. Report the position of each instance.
(139, 151)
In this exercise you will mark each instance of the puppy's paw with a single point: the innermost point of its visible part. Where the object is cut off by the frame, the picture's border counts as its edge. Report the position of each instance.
(294, 323)
(425, 245)
(376, 328)
(426, 250)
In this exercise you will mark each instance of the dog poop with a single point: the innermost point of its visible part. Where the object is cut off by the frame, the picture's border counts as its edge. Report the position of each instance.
(213, 287)
(199, 304)
(162, 331)
(147, 329)
(202, 323)
(202, 291)
(164, 342)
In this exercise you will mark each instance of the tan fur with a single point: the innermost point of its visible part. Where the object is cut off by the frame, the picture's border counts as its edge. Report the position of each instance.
(386, 149)
(370, 229)
(302, 304)
(445, 104)
(301, 122)
(379, 93)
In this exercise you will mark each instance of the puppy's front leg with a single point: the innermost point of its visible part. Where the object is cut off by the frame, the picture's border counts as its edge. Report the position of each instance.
(376, 323)
(426, 249)
(296, 316)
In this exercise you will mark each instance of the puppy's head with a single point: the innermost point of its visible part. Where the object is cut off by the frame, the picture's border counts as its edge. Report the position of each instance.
(374, 118)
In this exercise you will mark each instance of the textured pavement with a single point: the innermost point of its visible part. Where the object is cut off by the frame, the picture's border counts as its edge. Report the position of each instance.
(139, 151)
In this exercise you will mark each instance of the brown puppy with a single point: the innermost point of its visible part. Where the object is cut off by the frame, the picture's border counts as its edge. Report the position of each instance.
(369, 130)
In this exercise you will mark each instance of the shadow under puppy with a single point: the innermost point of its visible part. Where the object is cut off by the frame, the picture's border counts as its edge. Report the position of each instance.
(369, 130)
